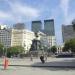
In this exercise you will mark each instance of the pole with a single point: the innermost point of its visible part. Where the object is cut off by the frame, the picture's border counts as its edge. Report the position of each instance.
(5, 60)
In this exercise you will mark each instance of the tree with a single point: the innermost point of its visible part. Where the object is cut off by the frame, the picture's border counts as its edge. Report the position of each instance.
(53, 49)
(49, 50)
(73, 23)
(69, 45)
(1, 49)
(15, 50)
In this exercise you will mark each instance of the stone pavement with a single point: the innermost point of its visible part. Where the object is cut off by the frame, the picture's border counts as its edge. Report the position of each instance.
(16, 70)
(13, 70)
(51, 62)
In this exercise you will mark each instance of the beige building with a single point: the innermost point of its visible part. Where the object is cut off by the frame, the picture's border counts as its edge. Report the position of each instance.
(16, 37)
(22, 38)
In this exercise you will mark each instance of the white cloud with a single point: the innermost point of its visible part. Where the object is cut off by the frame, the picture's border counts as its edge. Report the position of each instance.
(70, 18)
(4, 15)
(55, 13)
(20, 11)
(26, 10)
(64, 4)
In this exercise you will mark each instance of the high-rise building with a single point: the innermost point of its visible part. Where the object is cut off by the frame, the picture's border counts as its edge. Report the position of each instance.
(50, 32)
(36, 26)
(19, 26)
(49, 27)
(68, 32)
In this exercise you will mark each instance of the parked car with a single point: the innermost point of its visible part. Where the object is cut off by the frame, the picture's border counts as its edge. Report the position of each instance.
(64, 54)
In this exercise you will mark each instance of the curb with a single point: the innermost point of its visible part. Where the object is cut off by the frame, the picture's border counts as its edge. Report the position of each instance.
(41, 66)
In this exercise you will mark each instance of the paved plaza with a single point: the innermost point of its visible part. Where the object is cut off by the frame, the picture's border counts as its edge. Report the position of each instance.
(37, 71)
(24, 67)
(56, 62)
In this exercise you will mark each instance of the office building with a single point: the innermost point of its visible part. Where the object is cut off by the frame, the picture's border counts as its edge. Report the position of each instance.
(68, 32)
(5, 37)
(46, 40)
(49, 30)
(19, 26)
(49, 27)
(36, 26)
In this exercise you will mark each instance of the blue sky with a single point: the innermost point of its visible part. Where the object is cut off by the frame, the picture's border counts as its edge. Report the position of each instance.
(62, 11)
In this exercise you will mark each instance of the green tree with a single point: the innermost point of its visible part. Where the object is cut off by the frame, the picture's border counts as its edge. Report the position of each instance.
(73, 24)
(53, 49)
(49, 50)
(15, 50)
(69, 45)
(1, 50)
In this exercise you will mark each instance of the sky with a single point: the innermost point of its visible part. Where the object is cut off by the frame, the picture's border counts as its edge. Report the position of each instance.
(14, 11)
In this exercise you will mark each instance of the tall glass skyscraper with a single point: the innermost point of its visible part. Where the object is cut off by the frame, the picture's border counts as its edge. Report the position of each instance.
(68, 32)
(49, 27)
(36, 26)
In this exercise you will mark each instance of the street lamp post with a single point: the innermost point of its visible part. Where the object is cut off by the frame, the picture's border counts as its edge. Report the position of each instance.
(5, 52)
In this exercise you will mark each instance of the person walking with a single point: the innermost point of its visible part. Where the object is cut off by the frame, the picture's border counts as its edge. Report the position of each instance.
(31, 57)
(42, 59)
(45, 57)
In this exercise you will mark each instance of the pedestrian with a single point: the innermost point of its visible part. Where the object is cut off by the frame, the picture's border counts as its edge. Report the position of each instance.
(31, 57)
(45, 57)
(42, 59)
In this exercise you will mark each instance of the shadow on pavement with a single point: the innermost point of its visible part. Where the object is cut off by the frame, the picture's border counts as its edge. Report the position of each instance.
(56, 65)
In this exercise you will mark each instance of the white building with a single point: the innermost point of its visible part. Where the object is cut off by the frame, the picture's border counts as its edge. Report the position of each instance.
(46, 40)
(3, 27)
(16, 37)
(60, 48)
(51, 40)
(43, 39)
(5, 37)
(22, 38)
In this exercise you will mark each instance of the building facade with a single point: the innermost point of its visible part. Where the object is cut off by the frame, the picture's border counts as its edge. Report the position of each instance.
(43, 39)
(36, 26)
(49, 27)
(51, 41)
(5, 37)
(16, 37)
(46, 40)
(3, 27)
(19, 26)
(49, 30)
(22, 38)
(68, 32)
